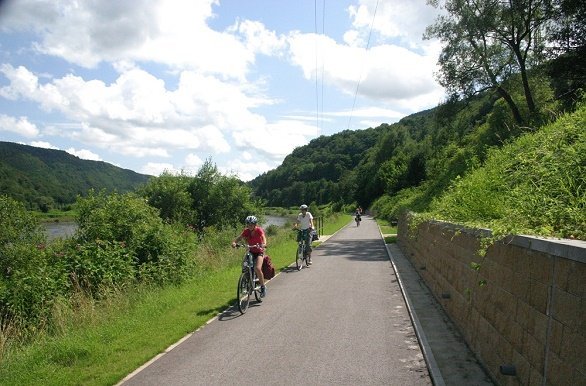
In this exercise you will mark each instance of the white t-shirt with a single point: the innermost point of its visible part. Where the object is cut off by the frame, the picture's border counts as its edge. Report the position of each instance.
(304, 221)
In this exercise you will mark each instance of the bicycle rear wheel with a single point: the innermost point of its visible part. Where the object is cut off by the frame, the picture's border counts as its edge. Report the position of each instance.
(243, 293)
(299, 257)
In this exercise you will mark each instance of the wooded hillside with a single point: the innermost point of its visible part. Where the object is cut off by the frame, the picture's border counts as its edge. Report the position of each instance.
(44, 178)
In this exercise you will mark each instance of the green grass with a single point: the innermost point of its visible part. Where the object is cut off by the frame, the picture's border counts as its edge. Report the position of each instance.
(336, 224)
(55, 215)
(389, 231)
(385, 227)
(113, 339)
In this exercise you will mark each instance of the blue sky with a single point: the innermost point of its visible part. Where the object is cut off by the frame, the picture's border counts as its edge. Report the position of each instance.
(155, 85)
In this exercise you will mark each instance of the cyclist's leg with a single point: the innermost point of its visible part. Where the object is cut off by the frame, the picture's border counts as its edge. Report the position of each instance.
(258, 269)
(308, 246)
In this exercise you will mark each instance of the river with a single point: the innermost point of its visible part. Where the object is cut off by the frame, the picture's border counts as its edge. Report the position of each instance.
(66, 229)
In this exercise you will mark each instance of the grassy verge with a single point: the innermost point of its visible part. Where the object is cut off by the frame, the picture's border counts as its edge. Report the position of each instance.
(115, 338)
(389, 231)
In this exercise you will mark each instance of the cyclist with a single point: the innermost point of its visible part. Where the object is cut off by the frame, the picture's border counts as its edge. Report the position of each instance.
(358, 216)
(255, 235)
(304, 222)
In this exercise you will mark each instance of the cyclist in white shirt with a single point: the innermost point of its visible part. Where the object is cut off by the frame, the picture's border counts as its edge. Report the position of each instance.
(304, 222)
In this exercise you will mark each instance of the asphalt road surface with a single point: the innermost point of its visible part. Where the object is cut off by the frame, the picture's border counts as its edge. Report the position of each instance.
(343, 321)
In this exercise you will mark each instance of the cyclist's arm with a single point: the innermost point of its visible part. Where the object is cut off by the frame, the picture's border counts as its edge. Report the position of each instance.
(236, 240)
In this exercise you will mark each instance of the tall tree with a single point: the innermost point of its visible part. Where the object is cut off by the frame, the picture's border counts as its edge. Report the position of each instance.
(486, 41)
(568, 29)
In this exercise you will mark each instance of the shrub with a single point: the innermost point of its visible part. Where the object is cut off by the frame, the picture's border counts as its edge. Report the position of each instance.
(160, 252)
(28, 283)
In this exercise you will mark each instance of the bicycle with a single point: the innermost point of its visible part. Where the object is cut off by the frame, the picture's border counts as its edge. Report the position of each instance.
(248, 282)
(301, 253)
(358, 218)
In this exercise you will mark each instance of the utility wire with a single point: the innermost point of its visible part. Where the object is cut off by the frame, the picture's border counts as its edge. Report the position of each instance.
(365, 53)
(318, 108)
(316, 77)
(323, 60)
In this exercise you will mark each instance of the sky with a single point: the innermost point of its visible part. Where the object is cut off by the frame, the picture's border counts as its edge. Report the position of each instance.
(164, 85)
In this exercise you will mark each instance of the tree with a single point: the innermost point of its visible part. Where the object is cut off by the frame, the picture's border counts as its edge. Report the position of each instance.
(486, 42)
(217, 200)
(168, 193)
(568, 29)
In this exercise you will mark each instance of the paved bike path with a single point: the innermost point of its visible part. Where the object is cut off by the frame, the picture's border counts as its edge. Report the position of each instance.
(342, 321)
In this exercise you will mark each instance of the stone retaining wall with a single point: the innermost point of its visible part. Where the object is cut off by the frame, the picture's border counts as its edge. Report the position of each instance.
(522, 308)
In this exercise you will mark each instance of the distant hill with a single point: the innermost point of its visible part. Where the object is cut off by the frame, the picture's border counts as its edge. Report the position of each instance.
(325, 170)
(45, 178)
(315, 172)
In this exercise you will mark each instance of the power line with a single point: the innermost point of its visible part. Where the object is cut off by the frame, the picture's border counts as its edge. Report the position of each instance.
(323, 60)
(365, 53)
(316, 77)
(318, 116)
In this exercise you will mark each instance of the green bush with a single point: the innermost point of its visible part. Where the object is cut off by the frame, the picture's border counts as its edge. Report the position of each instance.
(100, 265)
(159, 252)
(28, 283)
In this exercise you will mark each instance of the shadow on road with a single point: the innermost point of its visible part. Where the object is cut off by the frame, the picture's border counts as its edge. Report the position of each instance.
(362, 250)
(291, 269)
(233, 312)
(216, 310)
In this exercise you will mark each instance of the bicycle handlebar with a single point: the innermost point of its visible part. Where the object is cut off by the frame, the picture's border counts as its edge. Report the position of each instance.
(250, 246)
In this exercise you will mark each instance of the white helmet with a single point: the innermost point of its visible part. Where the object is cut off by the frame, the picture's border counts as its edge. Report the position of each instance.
(303, 207)
(251, 220)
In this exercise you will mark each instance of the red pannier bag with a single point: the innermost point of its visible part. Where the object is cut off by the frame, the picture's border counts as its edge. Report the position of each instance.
(268, 270)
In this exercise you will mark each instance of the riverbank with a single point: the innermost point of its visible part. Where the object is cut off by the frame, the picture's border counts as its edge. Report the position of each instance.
(66, 226)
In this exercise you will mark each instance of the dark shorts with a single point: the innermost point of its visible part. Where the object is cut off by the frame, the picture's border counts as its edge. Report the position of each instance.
(305, 234)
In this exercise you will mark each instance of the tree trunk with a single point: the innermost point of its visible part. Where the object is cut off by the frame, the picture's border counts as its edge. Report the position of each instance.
(526, 88)
(512, 105)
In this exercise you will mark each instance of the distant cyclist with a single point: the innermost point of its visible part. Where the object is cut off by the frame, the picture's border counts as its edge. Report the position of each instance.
(304, 222)
(255, 235)
(358, 216)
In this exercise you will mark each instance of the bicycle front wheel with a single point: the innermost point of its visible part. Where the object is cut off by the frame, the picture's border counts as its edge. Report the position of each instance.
(243, 293)
(299, 257)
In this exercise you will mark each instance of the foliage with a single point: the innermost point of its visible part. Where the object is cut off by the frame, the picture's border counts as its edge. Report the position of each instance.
(568, 31)
(43, 179)
(169, 193)
(318, 171)
(29, 283)
(100, 342)
(130, 226)
(486, 42)
(208, 199)
(536, 184)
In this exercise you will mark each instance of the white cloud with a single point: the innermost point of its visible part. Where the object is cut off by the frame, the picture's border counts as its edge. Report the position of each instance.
(403, 19)
(84, 154)
(177, 90)
(19, 125)
(193, 162)
(156, 169)
(136, 111)
(43, 144)
(274, 140)
(387, 73)
(170, 32)
(258, 39)
(246, 170)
